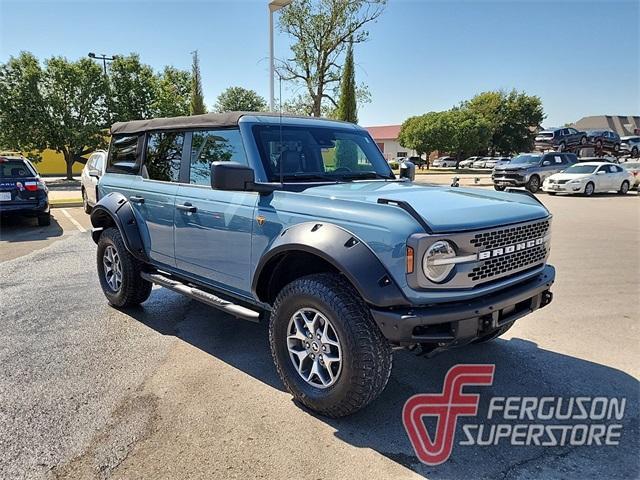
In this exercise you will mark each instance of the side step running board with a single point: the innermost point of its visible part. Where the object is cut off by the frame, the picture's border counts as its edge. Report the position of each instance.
(202, 296)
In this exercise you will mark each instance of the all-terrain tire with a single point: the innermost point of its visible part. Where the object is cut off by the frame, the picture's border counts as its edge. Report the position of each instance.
(500, 188)
(44, 220)
(366, 354)
(133, 289)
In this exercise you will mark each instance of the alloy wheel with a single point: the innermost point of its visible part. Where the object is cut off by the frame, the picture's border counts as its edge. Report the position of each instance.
(314, 348)
(112, 268)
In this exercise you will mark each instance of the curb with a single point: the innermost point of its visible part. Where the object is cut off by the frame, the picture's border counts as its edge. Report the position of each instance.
(72, 202)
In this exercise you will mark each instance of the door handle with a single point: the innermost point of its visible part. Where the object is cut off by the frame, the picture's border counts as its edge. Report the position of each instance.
(135, 199)
(187, 207)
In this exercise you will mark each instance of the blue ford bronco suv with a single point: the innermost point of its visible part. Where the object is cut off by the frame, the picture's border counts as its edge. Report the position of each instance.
(300, 222)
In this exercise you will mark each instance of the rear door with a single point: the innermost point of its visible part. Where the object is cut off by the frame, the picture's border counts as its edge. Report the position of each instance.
(18, 184)
(213, 228)
(152, 193)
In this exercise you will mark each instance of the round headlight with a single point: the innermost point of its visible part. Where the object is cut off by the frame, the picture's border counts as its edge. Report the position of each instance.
(433, 269)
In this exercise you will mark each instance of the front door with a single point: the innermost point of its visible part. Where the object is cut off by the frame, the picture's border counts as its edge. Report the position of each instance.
(213, 228)
(152, 194)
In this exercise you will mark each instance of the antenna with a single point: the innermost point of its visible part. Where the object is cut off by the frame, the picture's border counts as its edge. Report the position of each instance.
(280, 114)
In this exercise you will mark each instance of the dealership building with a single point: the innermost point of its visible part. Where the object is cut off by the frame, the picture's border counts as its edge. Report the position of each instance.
(386, 137)
(621, 124)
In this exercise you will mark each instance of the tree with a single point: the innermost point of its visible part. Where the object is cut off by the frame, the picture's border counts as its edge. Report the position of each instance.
(133, 89)
(197, 98)
(321, 30)
(347, 107)
(172, 97)
(512, 116)
(419, 134)
(61, 107)
(238, 99)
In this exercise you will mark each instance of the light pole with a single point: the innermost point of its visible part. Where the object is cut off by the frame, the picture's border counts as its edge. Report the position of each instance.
(274, 6)
(104, 59)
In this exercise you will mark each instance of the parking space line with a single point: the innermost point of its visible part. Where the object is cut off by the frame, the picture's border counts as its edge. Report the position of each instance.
(73, 220)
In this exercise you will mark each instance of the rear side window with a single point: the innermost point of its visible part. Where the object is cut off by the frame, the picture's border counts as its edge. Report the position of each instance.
(164, 156)
(15, 169)
(213, 146)
(123, 155)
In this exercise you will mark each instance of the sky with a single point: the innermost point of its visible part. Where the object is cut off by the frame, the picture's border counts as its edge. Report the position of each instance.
(580, 57)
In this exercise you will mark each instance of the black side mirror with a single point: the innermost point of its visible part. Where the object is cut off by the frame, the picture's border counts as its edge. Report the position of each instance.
(408, 170)
(231, 176)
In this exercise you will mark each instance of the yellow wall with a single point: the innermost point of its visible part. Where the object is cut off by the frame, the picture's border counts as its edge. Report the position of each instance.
(52, 163)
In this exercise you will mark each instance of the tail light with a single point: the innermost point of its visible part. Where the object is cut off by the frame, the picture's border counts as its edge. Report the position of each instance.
(33, 186)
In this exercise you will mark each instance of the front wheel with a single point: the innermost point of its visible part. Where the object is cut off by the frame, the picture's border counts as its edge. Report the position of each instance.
(624, 188)
(533, 185)
(328, 351)
(500, 188)
(583, 140)
(85, 202)
(616, 147)
(119, 272)
(589, 189)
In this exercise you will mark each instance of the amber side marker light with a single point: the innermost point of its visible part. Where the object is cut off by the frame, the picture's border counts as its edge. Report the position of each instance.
(409, 260)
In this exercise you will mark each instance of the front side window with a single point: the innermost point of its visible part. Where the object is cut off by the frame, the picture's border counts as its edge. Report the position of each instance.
(526, 160)
(213, 146)
(164, 156)
(123, 155)
(319, 153)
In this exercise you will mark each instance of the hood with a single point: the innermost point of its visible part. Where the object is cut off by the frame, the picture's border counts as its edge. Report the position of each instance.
(445, 209)
(569, 176)
(521, 166)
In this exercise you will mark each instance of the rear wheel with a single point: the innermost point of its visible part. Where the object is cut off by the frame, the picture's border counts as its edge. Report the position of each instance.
(624, 188)
(616, 147)
(328, 351)
(634, 152)
(583, 140)
(119, 272)
(533, 185)
(44, 220)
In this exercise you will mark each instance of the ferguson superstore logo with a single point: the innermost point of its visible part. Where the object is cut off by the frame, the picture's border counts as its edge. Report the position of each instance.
(514, 420)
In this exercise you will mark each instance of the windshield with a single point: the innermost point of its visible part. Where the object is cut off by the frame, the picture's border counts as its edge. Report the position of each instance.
(526, 160)
(319, 153)
(581, 169)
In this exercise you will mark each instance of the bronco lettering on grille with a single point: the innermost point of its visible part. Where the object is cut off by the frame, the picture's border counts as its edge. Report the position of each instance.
(498, 252)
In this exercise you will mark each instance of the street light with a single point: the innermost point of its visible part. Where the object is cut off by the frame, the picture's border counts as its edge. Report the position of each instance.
(104, 59)
(274, 6)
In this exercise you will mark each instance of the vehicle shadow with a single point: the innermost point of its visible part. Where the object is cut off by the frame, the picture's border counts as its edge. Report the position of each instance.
(20, 229)
(522, 369)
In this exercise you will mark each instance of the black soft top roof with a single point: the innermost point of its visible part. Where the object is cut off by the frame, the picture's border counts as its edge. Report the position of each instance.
(208, 120)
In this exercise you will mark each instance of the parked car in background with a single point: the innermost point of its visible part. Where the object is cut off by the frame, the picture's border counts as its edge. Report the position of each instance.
(589, 178)
(560, 138)
(91, 174)
(491, 163)
(444, 162)
(634, 169)
(22, 191)
(529, 170)
(481, 162)
(630, 145)
(468, 162)
(604, 139)
(417, 161)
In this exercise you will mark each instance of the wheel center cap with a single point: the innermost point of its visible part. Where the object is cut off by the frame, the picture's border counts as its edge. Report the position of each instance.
(315, 347)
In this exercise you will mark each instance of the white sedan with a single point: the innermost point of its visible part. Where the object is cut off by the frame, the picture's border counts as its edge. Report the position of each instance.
(589, 178)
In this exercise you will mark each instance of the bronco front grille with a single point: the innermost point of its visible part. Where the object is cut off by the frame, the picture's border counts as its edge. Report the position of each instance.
(510, 236)
(514, 261)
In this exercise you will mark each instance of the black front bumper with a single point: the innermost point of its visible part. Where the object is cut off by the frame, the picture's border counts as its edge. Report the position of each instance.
(461, 322)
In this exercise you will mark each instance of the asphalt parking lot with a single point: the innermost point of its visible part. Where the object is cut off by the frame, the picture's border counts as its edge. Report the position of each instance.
(175, 389)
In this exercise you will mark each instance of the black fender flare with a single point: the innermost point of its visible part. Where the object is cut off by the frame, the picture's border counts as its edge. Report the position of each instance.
(345, 252)
(115, 209)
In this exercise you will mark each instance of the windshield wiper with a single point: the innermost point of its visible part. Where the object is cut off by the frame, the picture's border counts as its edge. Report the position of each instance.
(364, 176)
(311, 176)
